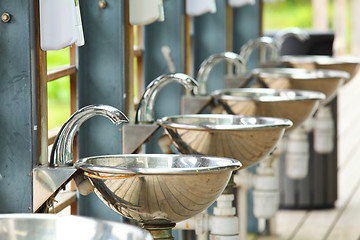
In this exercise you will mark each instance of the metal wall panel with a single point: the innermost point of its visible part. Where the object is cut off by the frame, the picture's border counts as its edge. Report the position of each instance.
(168, 33)
(100, 81)
(247, 26)
(210, 38)
(18, 142)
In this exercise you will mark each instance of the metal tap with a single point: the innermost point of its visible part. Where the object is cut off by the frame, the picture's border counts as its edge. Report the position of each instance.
(207, 65)
(145, 111)
(281, 35)
(268, 42)
(61, 153)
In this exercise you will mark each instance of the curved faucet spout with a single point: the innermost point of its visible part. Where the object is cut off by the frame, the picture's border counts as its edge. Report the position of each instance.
(268, 42)
(281, 35)
(145, 110)
(61, 152)
(207, 65)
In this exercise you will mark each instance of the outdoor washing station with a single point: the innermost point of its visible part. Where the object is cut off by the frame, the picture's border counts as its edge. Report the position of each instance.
(119, 179)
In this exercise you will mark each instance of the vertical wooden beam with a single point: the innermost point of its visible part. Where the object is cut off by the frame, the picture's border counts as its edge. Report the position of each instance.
(139, 62)
(355, 22)
(339, 23)
(129, 65)
(320, 14)
(229, 33)
(42, 95)
(73, 108)
(73, 84)
(188, 45)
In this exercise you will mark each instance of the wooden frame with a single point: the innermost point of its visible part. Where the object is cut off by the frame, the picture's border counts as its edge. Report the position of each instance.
(47, 137)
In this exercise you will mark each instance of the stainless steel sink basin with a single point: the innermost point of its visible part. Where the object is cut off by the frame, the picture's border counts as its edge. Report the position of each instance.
(348, 64)
(247, 139)
(54, 227)
(295, 105)
(158, 189)
(325, 81)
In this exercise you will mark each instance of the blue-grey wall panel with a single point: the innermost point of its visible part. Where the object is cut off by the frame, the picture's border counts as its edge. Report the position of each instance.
(168, 33)
(18, 142)
(246, 26)
(100, 81)
(210, 38)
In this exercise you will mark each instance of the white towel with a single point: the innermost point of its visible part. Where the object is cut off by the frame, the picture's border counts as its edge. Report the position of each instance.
(143, 12)
(60, 24)
(200, 7)
(240, 3)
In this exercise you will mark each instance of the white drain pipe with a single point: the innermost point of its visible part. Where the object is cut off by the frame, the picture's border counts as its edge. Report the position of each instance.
(243, 182)
(266, 192)
(324, 131)
(297, 155)
(222, 226)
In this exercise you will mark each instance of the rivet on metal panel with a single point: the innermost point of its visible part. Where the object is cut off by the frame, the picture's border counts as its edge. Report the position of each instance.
(5, 17)
(102, 4)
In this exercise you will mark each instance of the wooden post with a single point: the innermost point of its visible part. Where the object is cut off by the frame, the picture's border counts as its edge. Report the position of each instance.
(129, 65)
(355, 21)
(320, 14)
(339, 23)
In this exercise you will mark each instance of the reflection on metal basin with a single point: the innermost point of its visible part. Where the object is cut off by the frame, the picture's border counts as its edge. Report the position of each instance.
(247, 139)
(54, 227)
(158, 189)
(325, 81)
(348, 64)
(295, 105)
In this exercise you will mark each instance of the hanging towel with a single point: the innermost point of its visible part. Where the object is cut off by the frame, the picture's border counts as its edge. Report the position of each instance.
(241, 3)
(143, 12)
(200, 7)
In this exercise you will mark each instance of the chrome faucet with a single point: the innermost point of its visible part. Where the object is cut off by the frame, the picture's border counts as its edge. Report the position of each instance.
(145, 110)
(207, 65)
(281, 35)
(268, 42)
(61, 153)
(273, 44)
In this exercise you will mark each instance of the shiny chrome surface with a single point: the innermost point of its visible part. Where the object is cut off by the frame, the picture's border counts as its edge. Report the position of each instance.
(268, 42)
(145, 111)
(135, 135)
(54, 227)
(325, 81)
(158, 189)
(207, 65)
(247, 139)
(295, 105)
(347, 64)
(61, 153)
(47, 182)
(281, 35)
